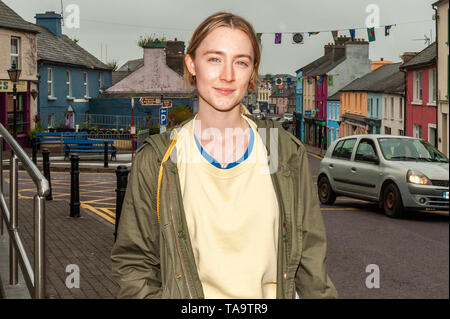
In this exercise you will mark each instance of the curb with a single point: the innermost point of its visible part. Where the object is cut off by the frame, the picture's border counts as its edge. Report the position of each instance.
(90, 169)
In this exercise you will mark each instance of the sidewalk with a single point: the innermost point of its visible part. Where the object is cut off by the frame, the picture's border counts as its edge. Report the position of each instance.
(315, 150)
(85, 241)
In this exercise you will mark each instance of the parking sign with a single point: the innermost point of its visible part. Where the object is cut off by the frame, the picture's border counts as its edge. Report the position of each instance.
(163, 116)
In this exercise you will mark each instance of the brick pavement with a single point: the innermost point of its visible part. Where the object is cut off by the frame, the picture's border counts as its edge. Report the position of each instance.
(86, 241)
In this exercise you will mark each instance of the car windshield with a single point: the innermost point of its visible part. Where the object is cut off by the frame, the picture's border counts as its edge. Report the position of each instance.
(408, 149)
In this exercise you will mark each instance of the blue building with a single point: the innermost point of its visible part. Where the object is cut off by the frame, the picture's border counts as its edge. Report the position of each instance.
(299, 106)
(374, 112)
(69, 76)
(333, 117)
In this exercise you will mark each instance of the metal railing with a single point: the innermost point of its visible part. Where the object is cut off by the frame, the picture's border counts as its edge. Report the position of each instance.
(34, 278)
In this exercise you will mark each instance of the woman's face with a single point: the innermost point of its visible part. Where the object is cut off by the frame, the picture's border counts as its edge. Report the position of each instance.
(223, 65)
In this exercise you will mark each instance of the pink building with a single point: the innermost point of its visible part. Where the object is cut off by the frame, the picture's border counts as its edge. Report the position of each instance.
(421, 84)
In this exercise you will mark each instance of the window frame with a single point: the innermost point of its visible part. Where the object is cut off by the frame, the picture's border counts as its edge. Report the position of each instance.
(16, 55)
(432, 87)
(50, 83)
(85, 84)
(417, 87)
(372, 143)
(68, 84)
(338, 155)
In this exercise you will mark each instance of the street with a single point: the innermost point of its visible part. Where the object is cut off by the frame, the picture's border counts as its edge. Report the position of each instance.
(412, 254)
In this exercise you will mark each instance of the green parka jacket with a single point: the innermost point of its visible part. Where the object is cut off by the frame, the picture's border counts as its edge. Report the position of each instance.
(152, 259)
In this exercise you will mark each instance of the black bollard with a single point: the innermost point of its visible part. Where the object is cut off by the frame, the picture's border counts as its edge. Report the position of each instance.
(34, 148)
(105, 158)
(46, 164)
(122, 181)
(74, 186)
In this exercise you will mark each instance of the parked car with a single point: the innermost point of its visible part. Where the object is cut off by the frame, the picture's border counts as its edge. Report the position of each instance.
(259, 115)
(288, 117)
(399, 173)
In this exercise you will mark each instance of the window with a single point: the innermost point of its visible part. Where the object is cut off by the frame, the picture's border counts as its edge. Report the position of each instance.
(401, 133)
(417, 89)
(344, 149)
(68, 86)
(432, 86)
(85, 85)
(417, 131)
(400, 109)
(15, 51)
(100, 80)
(385, 108)
(366, 148)
(376, 114)
(392, 108)
(50, 82)
(387, 130)
(369, 108)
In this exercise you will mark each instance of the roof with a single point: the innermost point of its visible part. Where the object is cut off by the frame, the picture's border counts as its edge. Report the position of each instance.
(119, 75)
(386, 78)
(325, 63)
(132, 65)
(335, 97)
(425, 57)
(438, 2)
(64, 50)
(9, 19)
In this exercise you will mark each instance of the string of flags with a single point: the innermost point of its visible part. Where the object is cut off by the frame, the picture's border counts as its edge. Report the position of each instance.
(298, 37)
(278, 83)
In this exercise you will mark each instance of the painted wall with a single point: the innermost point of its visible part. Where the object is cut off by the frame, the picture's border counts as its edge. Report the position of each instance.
(333, 118)
(374, 112)
(419, 112)
(393, 114)
(60, 101)
(442, 25)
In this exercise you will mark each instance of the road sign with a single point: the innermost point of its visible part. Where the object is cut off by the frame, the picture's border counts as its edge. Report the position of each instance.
(167, 103)
(133, 129)
(163, 116)
(150, 100)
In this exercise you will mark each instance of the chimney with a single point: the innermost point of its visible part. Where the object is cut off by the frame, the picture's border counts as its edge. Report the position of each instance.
(175, 56)
(406, 56)
(376, 64)
(51, 21)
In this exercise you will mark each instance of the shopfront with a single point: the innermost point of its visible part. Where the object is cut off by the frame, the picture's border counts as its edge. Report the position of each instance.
(22, 109)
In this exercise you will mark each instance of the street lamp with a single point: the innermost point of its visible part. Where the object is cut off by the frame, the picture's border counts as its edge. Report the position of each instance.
(14, 75)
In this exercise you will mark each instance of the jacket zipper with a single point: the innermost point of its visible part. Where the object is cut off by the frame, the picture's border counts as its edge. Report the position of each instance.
(177, 242)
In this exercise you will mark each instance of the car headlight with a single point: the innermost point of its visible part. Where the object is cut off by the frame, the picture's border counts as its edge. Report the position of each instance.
(416, 177)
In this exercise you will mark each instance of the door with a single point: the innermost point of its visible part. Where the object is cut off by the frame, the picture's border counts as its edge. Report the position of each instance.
(339, 165)
(365, 174)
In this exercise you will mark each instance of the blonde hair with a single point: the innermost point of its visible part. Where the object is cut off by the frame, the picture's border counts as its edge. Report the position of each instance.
(224, 19)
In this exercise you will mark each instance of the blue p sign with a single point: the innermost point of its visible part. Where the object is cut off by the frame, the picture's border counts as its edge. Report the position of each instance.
(163, 116)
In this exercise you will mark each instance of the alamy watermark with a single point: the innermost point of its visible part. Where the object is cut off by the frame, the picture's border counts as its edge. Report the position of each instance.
(373, 19)
(73, 279)
(373, 280)
(72, 18)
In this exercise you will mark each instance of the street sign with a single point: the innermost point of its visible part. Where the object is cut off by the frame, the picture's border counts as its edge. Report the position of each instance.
(133, 130)
(167, 103)
(132, 103)
(163, 116)
(150, 100)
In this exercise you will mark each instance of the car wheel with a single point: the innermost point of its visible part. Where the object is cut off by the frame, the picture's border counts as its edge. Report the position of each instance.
(326, 194)
(392, 201)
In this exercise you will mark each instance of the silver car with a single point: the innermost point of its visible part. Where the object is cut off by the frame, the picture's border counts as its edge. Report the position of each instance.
(399, 173)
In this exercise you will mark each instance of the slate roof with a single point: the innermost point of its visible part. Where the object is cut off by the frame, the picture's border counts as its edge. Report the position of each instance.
(131, 65)
(324, 64)
(335, 97)
(424, 57)
(387, 78)
(11, 20)
(65, 51)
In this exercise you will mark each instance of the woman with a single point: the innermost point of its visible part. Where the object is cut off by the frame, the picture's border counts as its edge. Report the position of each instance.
(212, 210)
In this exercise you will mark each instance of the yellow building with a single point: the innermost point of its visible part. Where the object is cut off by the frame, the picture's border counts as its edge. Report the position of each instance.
(353, 113)
(18, 46)
(442, 39)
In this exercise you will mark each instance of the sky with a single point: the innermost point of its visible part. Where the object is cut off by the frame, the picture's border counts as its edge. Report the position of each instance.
(110, 29)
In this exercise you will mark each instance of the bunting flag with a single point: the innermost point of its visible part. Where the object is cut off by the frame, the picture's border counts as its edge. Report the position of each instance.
(335, 34)
(352, 34)
(319, 80)
(371, 34)
(330, 80)
(277, 38)
(297, 38)
(258, 35)
(313, 33)
(387, 30)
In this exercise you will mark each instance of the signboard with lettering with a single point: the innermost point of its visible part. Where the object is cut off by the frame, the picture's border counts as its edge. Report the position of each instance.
(150, 100)
(7, 86)
(167, 103)
(163, 116)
